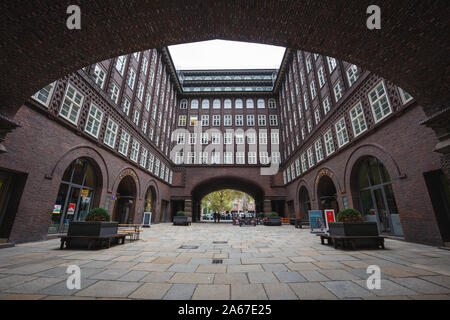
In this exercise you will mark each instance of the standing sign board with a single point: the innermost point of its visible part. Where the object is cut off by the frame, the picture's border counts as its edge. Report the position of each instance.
(316, 221)
(329, 216)
(147, 218)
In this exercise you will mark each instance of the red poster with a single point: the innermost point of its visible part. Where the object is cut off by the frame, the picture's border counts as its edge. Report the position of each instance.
(71, 208)
(329, 214)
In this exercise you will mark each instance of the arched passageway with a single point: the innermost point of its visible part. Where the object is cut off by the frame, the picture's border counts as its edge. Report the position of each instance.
(374, 196)
(326, 194)
(124, 209)
(305, 203)
(215, 184)
(150, 201)
(80, 184)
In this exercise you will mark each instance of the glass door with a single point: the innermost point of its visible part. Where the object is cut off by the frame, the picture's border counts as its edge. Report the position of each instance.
(382, 210)
(72, 206)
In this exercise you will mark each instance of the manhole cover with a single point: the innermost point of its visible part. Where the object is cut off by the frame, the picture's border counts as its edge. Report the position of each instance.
(217, 261)
(220, 242)
(188, 247)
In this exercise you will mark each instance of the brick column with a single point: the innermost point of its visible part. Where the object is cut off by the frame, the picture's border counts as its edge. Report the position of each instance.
(267, 207)
(188, 207)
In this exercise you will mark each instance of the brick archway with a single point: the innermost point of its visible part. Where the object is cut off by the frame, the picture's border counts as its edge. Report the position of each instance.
(411, 49)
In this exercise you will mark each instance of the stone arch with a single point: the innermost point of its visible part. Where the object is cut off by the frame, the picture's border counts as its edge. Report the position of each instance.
(124, 172)
(156, 199)
(302, 187)
(332, 175)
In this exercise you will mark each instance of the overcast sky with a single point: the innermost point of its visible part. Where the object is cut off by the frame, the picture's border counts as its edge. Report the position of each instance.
(223, 54)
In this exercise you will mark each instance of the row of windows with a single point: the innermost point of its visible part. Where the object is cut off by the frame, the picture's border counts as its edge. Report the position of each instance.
(216, 137)
(380, 107)
(228, 120)
(234, 77)
(226, 158)
(220, 89)
(227, 103)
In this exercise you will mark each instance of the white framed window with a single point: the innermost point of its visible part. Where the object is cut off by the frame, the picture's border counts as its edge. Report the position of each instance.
(326, 105)
(276, 159)
(181, 120)
(250, 120)
(227, 120)
(194, 104)
(261, 120)
(147, 102)
(238, 103)
(306, 101)
(94, 121)
(252, 157)
(154, 110)
(126, 106)
(321, 77)
(193, 121)
(228, 138)
(251, 137)
(317, 116)
(310, 157)
(136, 117)
(379, 102)
(292, 171)
(262, 137)
(308, 64)
(338, 91)
(240, 158)
(144, 126)
(352, 74)
(156, 171)
(312, 86)
(143, 159)
(216, 104)
(163, 167)
(111, 133)
(216, 120)
(303, 133)
(180, 138)
(131, 78)
(205, 138)
(150, 134)
(45, 94)
(151, 162)
(115, 93)
(183, 104)
(203, 157)
(284, 177)
(302, 78)
(405, 96)
(137, 55)
(72, 104)
(249, 104)
(99, 76)
(191, 157)
(227, 104)
(134, 150)
(205, 104)
(319, 151)
(205, 120)
(272, 104)
(263, 157)
(309, 124)
(297, 167)
(145, 65)
(273, 120)
(239, 120)
(215, 137)
(261, 104)
(357, 119)
(239, 138)
(120, 64)
(215, 157)
(140, 92)
(179, 157)
(331, 64)
(192, 138)
(228, 157)
(329, 144)
(341, 132)
(274, 138)
(304, 163)
(124, 142)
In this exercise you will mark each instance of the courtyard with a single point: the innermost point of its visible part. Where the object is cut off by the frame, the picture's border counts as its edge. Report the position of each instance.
(257, 263)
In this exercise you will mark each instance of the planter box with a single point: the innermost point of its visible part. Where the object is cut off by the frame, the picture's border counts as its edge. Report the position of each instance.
(90, 228)
(353, 228)
(273, 221)
(181, 221)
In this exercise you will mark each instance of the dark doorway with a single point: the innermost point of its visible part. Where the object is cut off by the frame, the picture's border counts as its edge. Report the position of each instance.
(176, 205)
(439, 190)
(126, 198)
(150, 203)
(11, 188)
(279, 207)
(305, 203)
(327, 196)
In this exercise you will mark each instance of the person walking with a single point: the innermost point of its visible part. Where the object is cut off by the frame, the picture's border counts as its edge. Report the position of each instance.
(218, 217)
(215, 216)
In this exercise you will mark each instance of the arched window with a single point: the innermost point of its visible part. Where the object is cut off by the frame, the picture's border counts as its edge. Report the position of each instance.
(194, 104)
(261, 104)
(75, 195)
(227, 104)
(183, 104)
(205, 104)
(238, 103)
(272, 104)
(250, 104)
(216, 104)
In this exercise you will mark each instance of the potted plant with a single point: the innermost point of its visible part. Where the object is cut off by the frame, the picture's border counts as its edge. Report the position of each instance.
(97, 223)
(180, 219)
(350, 222)
(273, 219)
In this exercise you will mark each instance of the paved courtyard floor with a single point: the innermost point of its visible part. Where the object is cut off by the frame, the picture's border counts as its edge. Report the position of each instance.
(258, 263)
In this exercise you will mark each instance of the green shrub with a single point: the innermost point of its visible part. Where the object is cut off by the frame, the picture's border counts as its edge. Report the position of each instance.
(273, 214)
(98, 214)
(349, 215)
(181, 214)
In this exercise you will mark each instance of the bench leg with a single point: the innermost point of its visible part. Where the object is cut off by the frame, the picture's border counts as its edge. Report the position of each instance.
(62, 244)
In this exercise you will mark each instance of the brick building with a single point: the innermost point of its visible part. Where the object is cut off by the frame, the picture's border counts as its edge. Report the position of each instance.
(133, 135)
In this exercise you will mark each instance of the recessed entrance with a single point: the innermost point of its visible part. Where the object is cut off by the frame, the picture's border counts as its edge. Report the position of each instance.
(326, 193)
(150, 203)
(305, 203)
(126, 198)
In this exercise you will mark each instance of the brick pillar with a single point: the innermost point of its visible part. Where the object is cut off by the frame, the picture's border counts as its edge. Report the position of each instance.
(267, 207)
(188, 207)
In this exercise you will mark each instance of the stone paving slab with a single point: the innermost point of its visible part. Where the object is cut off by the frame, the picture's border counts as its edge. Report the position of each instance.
(231, 278)
(110, 289)
(311, 291)
(212, 292)
(180, 291)
(254, 291)
(346, 289)
(421, 286)
(157, 276)
(198, 278)
(34, 286)
(279, 291)
(151, 291)
(289, 276)
(60, 289)
(388, 288)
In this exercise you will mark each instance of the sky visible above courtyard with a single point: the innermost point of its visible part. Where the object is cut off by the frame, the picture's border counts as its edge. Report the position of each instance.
(223, 54)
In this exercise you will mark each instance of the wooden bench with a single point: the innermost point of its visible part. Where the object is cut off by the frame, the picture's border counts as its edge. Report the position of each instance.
(131, 230)
(346, 241)
(299, 223)
(93, 241)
